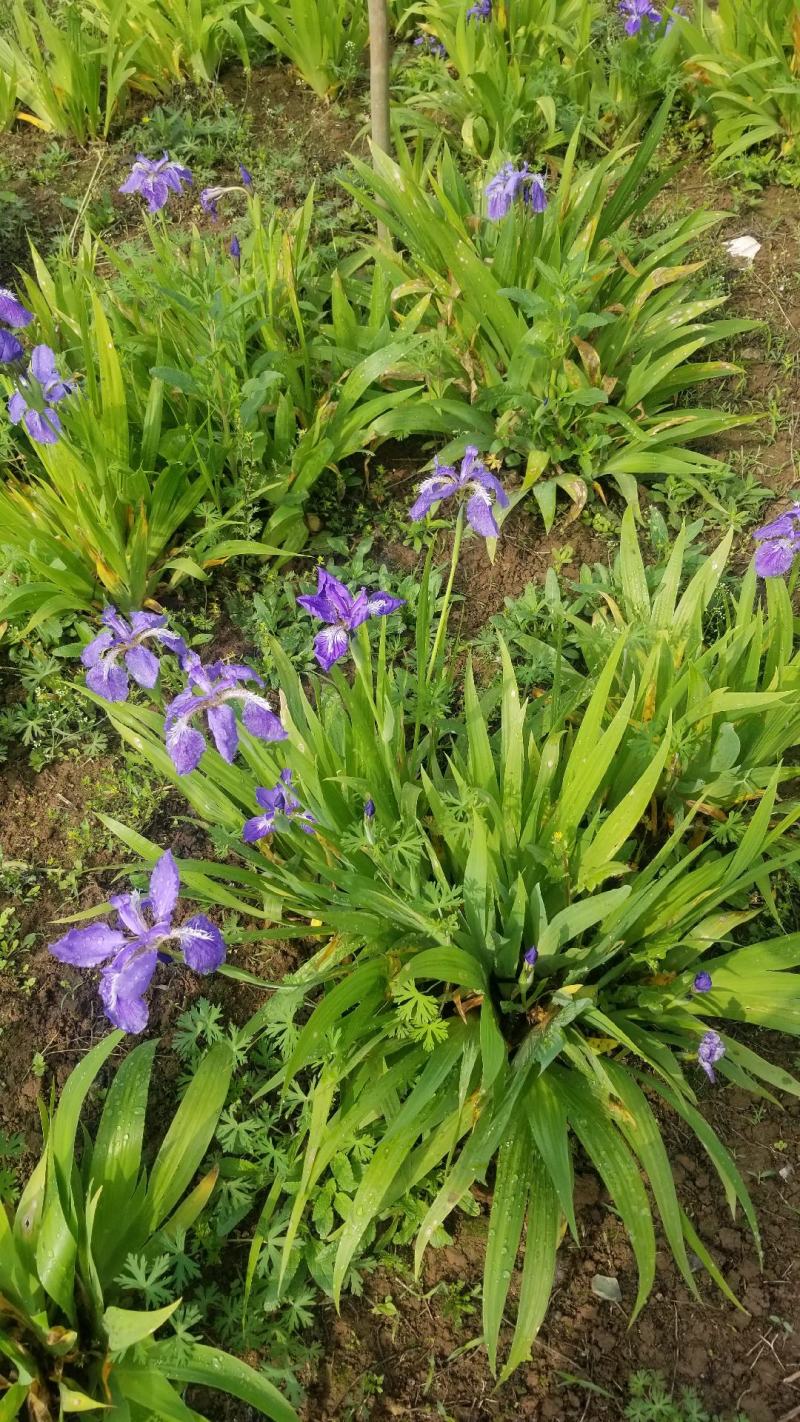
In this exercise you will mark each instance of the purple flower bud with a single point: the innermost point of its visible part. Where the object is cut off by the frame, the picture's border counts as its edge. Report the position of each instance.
(369, 810)
(702, 982)
(247, 178)
(531, 956)
(234, 249)
(710, 1051)
(481, 10)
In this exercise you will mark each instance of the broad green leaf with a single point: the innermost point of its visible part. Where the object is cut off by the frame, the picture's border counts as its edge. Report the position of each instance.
(148, 1388)
(209, 1367)
(126, 1326)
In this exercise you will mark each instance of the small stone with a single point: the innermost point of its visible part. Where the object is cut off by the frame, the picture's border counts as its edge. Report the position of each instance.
(606, 1287)
(743, 249)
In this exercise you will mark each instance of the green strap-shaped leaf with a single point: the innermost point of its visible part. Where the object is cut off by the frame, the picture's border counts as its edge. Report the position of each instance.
(509, 1202)
(482, 766)
(724, 1164)
(478, 1152)
(211, 1368)
(625, 816)
(73, 1400)
(542, 1235)
(57, 1242)
(188, 1137)
(547, 1118)
(447, 965)
(634, 581)
(593, 750)
(644, 1137)
(709, 1264)
(610, 1156)
(12, 1402)
(366, 982)
(477, 887)
(117, 1154)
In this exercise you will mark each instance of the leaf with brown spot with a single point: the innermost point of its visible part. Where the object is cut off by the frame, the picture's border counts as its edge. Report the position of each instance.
(590, 360)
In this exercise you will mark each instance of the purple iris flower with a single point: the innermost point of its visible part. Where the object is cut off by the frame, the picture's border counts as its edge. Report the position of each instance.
(14, 314)
(635, 11)
(10, 347)
(711, 1049)
(280, 800)
(702, 982)
(369, 809)
(502, 189)
(38, 393)
(234, 249)
(508, 184)
(481, 10)
(209, 197)
(431, 45)
(486, 491)
(120, 638)
(335, 604)
(208, 201)
(531, 956)
(778, 542)
(208, 693)
(133, 950)
(155, 179)
(12, 311)
(676, 13)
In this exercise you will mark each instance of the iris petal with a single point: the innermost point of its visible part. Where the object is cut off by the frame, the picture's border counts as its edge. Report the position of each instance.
(165, 883)
(88, 947)
(202, 944)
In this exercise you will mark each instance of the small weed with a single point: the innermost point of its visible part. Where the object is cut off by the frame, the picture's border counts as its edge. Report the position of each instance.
(457, 1302)
(15, 216)
(14, 948)
(202, 137)
(652, 1401)
(49, 164)
(11, 1149)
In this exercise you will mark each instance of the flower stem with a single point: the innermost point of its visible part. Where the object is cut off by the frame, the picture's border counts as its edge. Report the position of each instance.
(445, 612)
